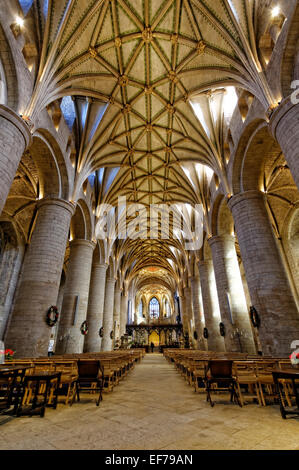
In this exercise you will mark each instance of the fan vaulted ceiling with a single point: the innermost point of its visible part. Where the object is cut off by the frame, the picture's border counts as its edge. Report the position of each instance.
(138, 63)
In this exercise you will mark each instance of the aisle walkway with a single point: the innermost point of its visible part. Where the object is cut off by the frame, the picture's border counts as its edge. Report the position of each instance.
(153, 408)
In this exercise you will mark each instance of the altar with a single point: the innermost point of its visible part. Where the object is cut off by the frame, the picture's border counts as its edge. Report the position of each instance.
(167, 335)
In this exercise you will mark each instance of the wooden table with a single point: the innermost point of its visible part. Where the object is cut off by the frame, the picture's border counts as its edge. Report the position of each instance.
(15, 387)
(287, 374)
(46, 378)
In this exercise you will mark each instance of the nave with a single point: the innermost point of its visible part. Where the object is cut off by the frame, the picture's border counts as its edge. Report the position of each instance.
(152, 408)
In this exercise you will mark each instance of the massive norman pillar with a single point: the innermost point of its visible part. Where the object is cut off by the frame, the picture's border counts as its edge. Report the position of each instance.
(28, 333)
(233, 308)
(95, 307)
(75, 300)
(184, 316)
(15, 137)
(124, 313)
(210, 305)
(284, 125)
(199, 323)
(189, 311)
(108, 315)
(116, 313)
(267, 280)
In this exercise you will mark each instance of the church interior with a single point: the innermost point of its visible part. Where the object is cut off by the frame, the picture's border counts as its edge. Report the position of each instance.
(149, 224)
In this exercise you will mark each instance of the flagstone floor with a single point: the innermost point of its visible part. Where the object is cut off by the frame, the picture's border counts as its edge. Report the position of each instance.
(153, 408)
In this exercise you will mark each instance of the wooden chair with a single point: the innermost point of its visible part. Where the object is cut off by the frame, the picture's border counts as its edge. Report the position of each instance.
(220, 372)
(69, 375)
(108, 376)
(199, 374)
(38, 366)
(90, 372)
(264, 370)
(245, 374)
(287, 384)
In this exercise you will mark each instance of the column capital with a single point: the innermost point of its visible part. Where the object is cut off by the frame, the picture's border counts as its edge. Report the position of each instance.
(82, 242)
(247, 195)
(279, 113)
(20, 124)
(100, 266)
(57, 202)
(221, 239)
(205, 262)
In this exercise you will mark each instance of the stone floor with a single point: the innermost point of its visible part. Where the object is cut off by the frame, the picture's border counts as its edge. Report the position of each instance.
(153, 408)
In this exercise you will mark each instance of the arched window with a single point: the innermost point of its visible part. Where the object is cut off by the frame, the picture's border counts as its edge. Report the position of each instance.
(167, 308)
(154, 308)
(141, 308)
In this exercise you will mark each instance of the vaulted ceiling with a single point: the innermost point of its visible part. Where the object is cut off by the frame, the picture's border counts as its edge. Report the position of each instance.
(132, 67)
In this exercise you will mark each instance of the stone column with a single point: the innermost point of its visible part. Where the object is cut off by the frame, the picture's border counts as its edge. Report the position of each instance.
(75, 299)
(210, 305)
(15, 137)
(95, 307)
(189, 311)
(267, 281)
(284, 126)
(38, 288)
(184, 316)
(108, 314)
(124, 314)
(13, 282)
(198, 312)
(116, 313)
(232, 302)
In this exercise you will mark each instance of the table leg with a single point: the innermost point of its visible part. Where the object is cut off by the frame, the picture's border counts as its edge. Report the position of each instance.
(34, 401)
(46, 392)
(56, 393)
(296, 393)
(282, 410)
(12, 387)
(19, 392)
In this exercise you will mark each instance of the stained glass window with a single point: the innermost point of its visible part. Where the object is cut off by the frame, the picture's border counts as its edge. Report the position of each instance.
(154, 308)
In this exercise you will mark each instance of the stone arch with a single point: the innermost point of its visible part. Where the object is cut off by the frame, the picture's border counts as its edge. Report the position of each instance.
(87, 218)
(262, 149)
(290, 239)
(78, 224)
(47, 168)
(225, 221)
(215, 213)
(290, 61)
(243, 144)
(8, 74)
(51, 164)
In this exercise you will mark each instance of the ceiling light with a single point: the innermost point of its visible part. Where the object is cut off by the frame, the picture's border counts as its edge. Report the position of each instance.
(275, 11)
(19, 21)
